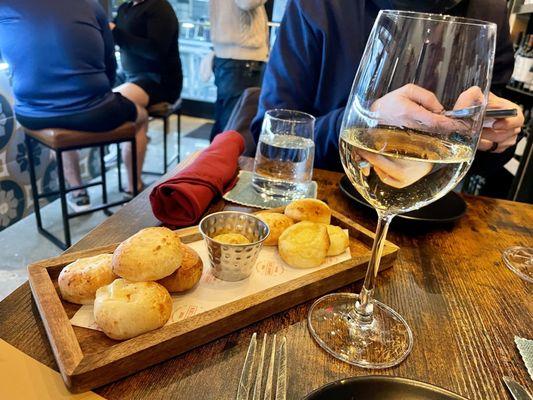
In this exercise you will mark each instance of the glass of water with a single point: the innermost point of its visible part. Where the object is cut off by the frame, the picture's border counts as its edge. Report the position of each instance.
(285, 153)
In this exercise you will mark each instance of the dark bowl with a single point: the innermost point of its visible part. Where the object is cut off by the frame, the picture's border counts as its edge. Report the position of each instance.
(446, 210)
(376, 387)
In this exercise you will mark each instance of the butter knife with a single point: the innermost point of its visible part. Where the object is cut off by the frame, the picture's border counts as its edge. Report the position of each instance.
(517, 390)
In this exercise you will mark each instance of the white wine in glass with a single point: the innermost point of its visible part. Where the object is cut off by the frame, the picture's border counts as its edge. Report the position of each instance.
(401, 151)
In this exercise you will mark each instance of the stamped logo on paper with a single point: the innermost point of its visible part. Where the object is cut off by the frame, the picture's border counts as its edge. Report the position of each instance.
(209, 279)
(184, 311)
(269, 268)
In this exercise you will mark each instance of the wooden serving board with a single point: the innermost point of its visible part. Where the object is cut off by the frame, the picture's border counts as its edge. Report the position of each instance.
(88, 359)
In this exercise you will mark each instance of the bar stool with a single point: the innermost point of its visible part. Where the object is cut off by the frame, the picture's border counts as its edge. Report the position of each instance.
(164, 111)
(61, 140)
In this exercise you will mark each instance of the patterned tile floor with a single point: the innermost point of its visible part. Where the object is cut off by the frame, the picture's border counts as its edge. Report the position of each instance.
(20, 244)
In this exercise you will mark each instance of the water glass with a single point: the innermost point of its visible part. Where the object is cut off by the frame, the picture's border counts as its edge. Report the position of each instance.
(283, 166)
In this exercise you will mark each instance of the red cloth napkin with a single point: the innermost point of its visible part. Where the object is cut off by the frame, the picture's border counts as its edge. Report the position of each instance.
(183, 199)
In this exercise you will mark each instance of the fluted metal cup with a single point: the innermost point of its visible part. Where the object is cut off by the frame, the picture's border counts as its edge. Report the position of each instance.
(233, 262)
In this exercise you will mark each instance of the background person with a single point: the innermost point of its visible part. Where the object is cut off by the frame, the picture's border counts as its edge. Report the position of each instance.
(147, 33)
(61, 55)
(239, 33)
(317, 53)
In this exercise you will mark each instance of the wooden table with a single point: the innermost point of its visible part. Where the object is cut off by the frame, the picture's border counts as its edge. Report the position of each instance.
(463, 306)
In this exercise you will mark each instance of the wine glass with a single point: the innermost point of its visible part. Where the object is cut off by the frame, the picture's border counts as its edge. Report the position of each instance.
(519, 259)
(401, 151)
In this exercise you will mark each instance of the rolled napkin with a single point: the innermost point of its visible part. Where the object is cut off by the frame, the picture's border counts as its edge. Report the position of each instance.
(183, 199)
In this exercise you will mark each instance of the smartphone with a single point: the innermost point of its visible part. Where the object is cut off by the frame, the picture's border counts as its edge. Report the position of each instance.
(469, 112)
(504, 113)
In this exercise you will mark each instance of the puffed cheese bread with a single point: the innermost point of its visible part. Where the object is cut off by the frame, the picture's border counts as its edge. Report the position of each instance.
(125, 309)
(309, 210)
(277, 223)
(149, 255)
(187, 275)
(338, 240)
(79, 280)
(304, 245)
(231, 238)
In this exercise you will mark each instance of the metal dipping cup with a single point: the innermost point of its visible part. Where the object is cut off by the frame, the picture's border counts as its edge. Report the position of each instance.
(233, 262)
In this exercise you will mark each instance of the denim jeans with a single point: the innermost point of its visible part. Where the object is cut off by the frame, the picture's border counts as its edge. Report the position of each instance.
(232, 77)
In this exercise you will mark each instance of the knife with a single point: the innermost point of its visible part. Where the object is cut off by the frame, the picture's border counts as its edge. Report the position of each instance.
(516, 389)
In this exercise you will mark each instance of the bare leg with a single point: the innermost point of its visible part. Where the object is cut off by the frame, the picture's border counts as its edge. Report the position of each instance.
(137, 95)
(134, 93)
(141, 142)
(71, 164)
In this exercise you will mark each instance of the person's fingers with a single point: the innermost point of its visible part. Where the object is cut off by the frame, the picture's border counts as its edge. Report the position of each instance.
(488, 122)
(484, 145)
(510, 123)
(505, 145)
(417, 108)
(422, 96)
(505, 123)
(493, 100)
(421, 117)
(499, 136)
(473, 96)
(396, 108)
(397, 173)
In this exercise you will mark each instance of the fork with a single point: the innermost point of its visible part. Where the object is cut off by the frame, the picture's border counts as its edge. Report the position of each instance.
(276, 375)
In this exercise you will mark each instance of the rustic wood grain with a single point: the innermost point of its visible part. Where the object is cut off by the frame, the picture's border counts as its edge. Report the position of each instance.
(88, 359)
(449, 283)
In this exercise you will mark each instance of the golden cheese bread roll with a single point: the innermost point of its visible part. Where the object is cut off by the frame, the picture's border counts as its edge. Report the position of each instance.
(79, 280)
(277, 223)
(187, 275)
(304, 245)
(231, 238)
(125, 309)
(338, 239)
(149, 255)
(309, 210)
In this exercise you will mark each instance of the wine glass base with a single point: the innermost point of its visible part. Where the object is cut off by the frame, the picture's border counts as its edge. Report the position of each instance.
(519, 259)
(383, 343)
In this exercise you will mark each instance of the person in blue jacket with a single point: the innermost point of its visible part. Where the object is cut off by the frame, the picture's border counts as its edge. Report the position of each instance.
(62, 61)
(317, 53)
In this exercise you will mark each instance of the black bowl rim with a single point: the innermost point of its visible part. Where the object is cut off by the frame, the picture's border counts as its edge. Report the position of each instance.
(405, 216)
(378, 378)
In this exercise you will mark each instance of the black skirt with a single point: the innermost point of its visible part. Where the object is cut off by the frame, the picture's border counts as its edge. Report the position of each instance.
(106, 117)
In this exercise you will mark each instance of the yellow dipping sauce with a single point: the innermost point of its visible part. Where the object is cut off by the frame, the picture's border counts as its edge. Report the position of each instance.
(231, 238)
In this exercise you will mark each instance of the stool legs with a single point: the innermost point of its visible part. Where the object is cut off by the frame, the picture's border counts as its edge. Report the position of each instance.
(119, 158)
(63, 190)
(104, 181)
(178, 115)
(134, 167)
(33, 182)
(102, 172)
(165, 155)
(63, 197)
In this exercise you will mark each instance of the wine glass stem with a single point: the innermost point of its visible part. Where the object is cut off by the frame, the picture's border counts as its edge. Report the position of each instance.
(364, 305)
